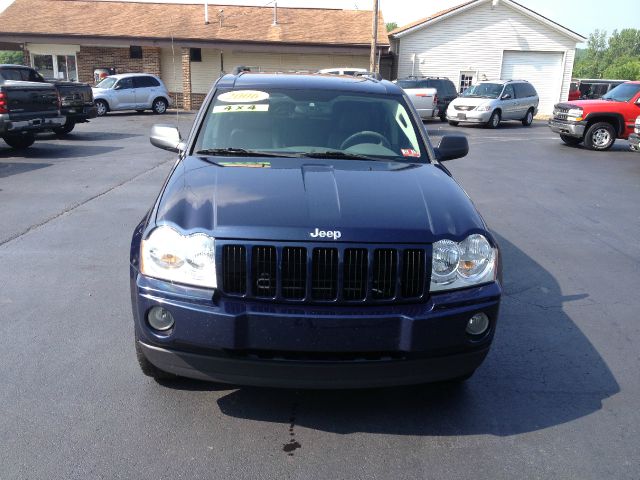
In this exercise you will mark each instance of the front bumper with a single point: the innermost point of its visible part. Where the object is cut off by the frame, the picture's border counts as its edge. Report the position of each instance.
(634, 141)
(313, 346)
(469, 116)
(571, 129)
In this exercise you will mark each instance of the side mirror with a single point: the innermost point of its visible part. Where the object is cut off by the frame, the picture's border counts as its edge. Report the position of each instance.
(166, 137)
(452, 147)
(506, 96)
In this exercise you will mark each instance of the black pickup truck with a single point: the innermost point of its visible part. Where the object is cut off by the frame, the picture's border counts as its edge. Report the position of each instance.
(76, 99)
(27, 108)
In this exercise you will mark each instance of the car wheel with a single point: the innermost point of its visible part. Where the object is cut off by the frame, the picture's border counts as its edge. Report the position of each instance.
(634, 148)
(149, 369)
(600, 136)
(528, 118)
(453, 123)
(64, 129)
(102, 107)
(494, 120)
(159, 105)
(572, 141)
(19, 141)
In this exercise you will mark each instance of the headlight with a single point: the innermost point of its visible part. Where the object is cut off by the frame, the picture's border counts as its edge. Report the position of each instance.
(459, 265)
(483, 108)
(170, 256)
(575, 114)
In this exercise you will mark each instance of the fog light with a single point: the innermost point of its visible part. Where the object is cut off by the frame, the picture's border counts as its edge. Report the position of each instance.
(478, 324)
(160, 319)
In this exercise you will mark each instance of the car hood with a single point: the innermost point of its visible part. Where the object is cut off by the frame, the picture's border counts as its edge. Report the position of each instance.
(98, 91)
(288, 199)
(471, 101)
(596, 104)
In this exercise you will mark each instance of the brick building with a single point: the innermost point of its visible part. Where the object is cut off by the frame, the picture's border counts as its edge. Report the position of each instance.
(71, 38)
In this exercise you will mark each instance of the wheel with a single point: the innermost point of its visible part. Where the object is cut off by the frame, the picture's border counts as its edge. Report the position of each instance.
(159, 105)
(19, 141)
(634, 148)
(64, 129)
(494, 121)
(149, 369)
(572, 141)
(600, 136)
(102, 107)
(453, 123)
(528, 118)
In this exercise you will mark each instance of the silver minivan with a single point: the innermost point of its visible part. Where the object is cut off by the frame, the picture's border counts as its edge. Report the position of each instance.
(489, 102)
(131, 91)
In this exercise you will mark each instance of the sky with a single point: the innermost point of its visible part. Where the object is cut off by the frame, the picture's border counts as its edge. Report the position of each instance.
(581, 16)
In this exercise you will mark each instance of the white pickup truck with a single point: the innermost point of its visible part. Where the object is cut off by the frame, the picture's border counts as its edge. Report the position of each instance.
(424, 99)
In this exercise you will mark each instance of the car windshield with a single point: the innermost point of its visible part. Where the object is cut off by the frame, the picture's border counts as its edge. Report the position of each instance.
(623, 92)
(484, 90)
(106, 83)
(314, 123)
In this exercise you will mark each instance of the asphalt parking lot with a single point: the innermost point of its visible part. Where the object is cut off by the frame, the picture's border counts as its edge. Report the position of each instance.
(558, 396)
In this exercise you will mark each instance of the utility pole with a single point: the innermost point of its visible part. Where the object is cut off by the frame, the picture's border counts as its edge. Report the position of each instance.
(374, 37)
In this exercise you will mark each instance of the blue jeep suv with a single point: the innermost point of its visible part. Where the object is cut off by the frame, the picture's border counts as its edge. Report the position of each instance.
(309, 236)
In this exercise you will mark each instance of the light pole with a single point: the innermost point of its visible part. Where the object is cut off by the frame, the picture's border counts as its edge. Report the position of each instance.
(374, 38)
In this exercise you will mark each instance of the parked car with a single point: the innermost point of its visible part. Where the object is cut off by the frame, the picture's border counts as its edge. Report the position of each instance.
(131, 91)
(343, 71)
(598, 123)
(634, 138)
(591, 89)
(27, 108)
(308, 236)
(76, 99)
(445, 90)
(424, 99)
(492, 101)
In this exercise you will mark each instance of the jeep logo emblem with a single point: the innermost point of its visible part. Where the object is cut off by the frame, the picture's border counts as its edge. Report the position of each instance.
(335, 234)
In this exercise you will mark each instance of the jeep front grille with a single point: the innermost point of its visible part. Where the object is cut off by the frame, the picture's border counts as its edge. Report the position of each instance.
(560, 113)
(323, 274)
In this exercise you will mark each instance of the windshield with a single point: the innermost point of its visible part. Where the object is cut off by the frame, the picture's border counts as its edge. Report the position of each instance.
(106, 83)
(333, 124)
(484, 90)
(623, 92)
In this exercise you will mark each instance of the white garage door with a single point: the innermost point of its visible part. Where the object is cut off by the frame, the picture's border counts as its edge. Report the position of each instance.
(542, 69)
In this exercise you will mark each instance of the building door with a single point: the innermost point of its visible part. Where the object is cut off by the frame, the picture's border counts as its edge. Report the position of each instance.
(466, 80)
(542, 69)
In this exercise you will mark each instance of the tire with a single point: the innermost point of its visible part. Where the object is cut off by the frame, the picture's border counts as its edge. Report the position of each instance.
(600, 136)
(494, 120)
(19, 141)
(149, 369)
(571, 141)
(102, 107)
(64, 129)
(453, 123)
(633, 148)
(159, 106)
(528, 118)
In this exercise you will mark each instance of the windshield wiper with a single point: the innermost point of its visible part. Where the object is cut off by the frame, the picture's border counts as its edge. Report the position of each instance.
(340, 155)
(241, 152)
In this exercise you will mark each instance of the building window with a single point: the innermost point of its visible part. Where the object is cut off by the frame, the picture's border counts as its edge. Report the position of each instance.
(135, 52)
(58, 67)
(466, 80)
(195, 54)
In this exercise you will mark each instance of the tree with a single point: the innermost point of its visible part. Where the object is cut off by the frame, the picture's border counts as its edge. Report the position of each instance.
(625, 68)
(11, 57)
(391, 26)
(618, 57)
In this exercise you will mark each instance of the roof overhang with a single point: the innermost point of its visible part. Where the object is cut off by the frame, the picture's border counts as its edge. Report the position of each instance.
(111, 41)
(475, 3)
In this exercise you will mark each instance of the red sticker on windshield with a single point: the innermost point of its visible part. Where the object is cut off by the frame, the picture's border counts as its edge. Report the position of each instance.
(408, 152)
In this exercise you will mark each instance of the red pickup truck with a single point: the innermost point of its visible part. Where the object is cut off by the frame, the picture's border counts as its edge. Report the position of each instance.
(598, 123)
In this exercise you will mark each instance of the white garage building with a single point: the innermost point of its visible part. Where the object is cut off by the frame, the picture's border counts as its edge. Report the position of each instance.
(489, 39)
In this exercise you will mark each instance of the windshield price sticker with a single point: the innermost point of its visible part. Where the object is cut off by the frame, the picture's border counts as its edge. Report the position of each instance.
(409, 152)
(240, 108)
(243, 96)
